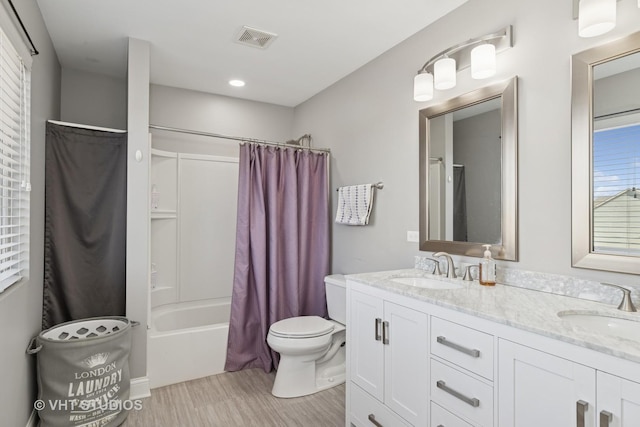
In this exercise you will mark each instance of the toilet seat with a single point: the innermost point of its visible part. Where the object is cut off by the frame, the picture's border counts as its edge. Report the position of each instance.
(301, 327)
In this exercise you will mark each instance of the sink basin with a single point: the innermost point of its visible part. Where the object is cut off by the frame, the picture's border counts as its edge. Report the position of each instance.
(426, 283)
(603, 324)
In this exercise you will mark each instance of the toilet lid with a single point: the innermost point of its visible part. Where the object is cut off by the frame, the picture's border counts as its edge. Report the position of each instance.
(302, 327)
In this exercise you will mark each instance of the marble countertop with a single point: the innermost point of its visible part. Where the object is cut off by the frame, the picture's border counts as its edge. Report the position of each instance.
(525, 309)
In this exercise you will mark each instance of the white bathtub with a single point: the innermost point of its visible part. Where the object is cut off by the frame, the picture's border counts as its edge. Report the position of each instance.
(187, 341)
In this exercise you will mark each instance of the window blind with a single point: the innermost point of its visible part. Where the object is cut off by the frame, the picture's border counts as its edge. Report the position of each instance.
(14, 164)
(616, 190)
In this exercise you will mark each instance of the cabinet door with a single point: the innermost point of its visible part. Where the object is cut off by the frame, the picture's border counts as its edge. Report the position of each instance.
(621, 399)
(366, 349)
(407, 363)
(538, 389)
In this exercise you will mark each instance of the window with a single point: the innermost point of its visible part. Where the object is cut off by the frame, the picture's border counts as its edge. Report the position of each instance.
(14, 164)
(616, 186)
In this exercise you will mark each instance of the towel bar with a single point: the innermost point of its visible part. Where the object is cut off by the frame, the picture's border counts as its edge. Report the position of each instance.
(378, 185)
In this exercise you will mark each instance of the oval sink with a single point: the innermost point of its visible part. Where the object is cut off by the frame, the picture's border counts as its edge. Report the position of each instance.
(424, 282)
(603, 324)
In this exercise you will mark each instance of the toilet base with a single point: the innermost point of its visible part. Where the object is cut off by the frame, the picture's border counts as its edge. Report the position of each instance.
(296, 378)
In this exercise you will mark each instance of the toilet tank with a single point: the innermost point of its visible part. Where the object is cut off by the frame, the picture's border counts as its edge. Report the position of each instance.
(336, 289)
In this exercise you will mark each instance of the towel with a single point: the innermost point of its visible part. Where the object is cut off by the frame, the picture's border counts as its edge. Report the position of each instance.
(354, 204)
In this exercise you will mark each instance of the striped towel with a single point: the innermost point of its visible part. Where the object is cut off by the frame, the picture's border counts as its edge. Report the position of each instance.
(354, 204)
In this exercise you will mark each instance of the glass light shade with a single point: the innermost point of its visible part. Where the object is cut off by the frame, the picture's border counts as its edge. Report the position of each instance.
(444, 71)
(596, 17)
(483, 61)
(423, 87)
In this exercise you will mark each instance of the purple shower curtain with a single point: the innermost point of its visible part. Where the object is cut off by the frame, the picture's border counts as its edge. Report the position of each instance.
(282, 248)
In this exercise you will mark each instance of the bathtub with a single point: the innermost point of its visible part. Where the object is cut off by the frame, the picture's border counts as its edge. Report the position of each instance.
(187, 341)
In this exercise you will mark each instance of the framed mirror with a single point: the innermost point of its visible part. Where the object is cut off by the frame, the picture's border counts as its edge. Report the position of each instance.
(468, 173)
(605, 141)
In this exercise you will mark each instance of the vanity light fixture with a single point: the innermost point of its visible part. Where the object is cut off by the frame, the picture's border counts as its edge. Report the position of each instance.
(444, 73)
(479, 53)
(596, 17)
(423, 87)
(483, 61)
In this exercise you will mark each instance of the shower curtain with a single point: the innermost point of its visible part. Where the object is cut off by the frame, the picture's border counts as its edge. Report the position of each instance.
(85, 224)
(282, 248)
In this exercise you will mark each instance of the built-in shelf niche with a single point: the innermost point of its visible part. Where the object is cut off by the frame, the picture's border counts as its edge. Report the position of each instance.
(164, 228)
(164, 176)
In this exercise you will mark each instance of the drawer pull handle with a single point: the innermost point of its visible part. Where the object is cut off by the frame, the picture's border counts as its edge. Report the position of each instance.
(581, 408)
(378, 322)
(606, 418)
(468, 400)
(373, 420)
(385, 332)
(470, 351)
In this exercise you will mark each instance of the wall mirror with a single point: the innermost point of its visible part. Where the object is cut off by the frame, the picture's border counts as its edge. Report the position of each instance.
(605, 138)
(468, 173)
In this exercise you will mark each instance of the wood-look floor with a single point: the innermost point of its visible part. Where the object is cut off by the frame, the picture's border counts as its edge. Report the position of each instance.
(236, 399)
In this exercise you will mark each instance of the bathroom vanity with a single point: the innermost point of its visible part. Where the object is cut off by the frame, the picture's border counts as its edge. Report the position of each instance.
(429, 351)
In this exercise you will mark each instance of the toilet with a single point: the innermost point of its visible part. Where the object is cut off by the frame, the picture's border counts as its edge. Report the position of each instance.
(312, 349)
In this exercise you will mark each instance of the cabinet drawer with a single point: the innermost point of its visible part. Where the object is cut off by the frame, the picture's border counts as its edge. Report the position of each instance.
(440, 417)
(466, 347)
(364, 406)
(461, 394)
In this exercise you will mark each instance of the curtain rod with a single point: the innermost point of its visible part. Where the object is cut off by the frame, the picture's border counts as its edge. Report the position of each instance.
(34, 51)
(237, 138)
(90, 127)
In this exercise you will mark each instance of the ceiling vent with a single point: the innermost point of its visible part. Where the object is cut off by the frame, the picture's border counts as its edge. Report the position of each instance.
(256, 38)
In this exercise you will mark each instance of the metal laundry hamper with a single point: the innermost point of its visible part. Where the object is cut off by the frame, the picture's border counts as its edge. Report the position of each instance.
(83, 372)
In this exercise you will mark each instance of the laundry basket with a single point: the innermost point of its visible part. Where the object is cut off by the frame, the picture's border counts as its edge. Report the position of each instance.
(83, 372)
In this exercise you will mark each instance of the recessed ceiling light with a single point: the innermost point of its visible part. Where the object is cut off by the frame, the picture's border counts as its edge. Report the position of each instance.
(236, 83)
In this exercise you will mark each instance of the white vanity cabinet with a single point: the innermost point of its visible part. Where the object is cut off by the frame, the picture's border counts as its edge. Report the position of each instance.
(418, 361)
(618, 401)
(461, 375)
(388, 359)
(537, 388)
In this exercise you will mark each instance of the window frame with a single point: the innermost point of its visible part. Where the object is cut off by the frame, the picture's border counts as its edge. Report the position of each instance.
(11, 43)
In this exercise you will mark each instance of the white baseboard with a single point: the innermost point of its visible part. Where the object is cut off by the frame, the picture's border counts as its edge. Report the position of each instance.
(33, 419)
(139, 388)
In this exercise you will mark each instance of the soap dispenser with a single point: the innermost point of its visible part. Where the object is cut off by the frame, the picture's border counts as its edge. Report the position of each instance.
(487, 268)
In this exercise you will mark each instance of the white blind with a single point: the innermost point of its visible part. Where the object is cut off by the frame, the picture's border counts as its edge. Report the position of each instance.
(14, 164)
(616, 189)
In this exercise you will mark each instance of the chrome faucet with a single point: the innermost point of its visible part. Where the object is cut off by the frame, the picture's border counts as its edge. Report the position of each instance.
(451, 268)
(436, 267)
(468, 276)
(626, 304)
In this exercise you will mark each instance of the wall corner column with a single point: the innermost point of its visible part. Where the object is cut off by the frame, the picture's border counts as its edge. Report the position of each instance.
(137, 306)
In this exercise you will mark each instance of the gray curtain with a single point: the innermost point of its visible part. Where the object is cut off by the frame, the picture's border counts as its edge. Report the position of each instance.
(459, 205)
(85, 224)
(282, 248)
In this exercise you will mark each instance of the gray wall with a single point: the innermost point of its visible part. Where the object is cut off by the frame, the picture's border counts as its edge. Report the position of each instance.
(187, 109)
(370, 122)
(21, 305)
(93, 99)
